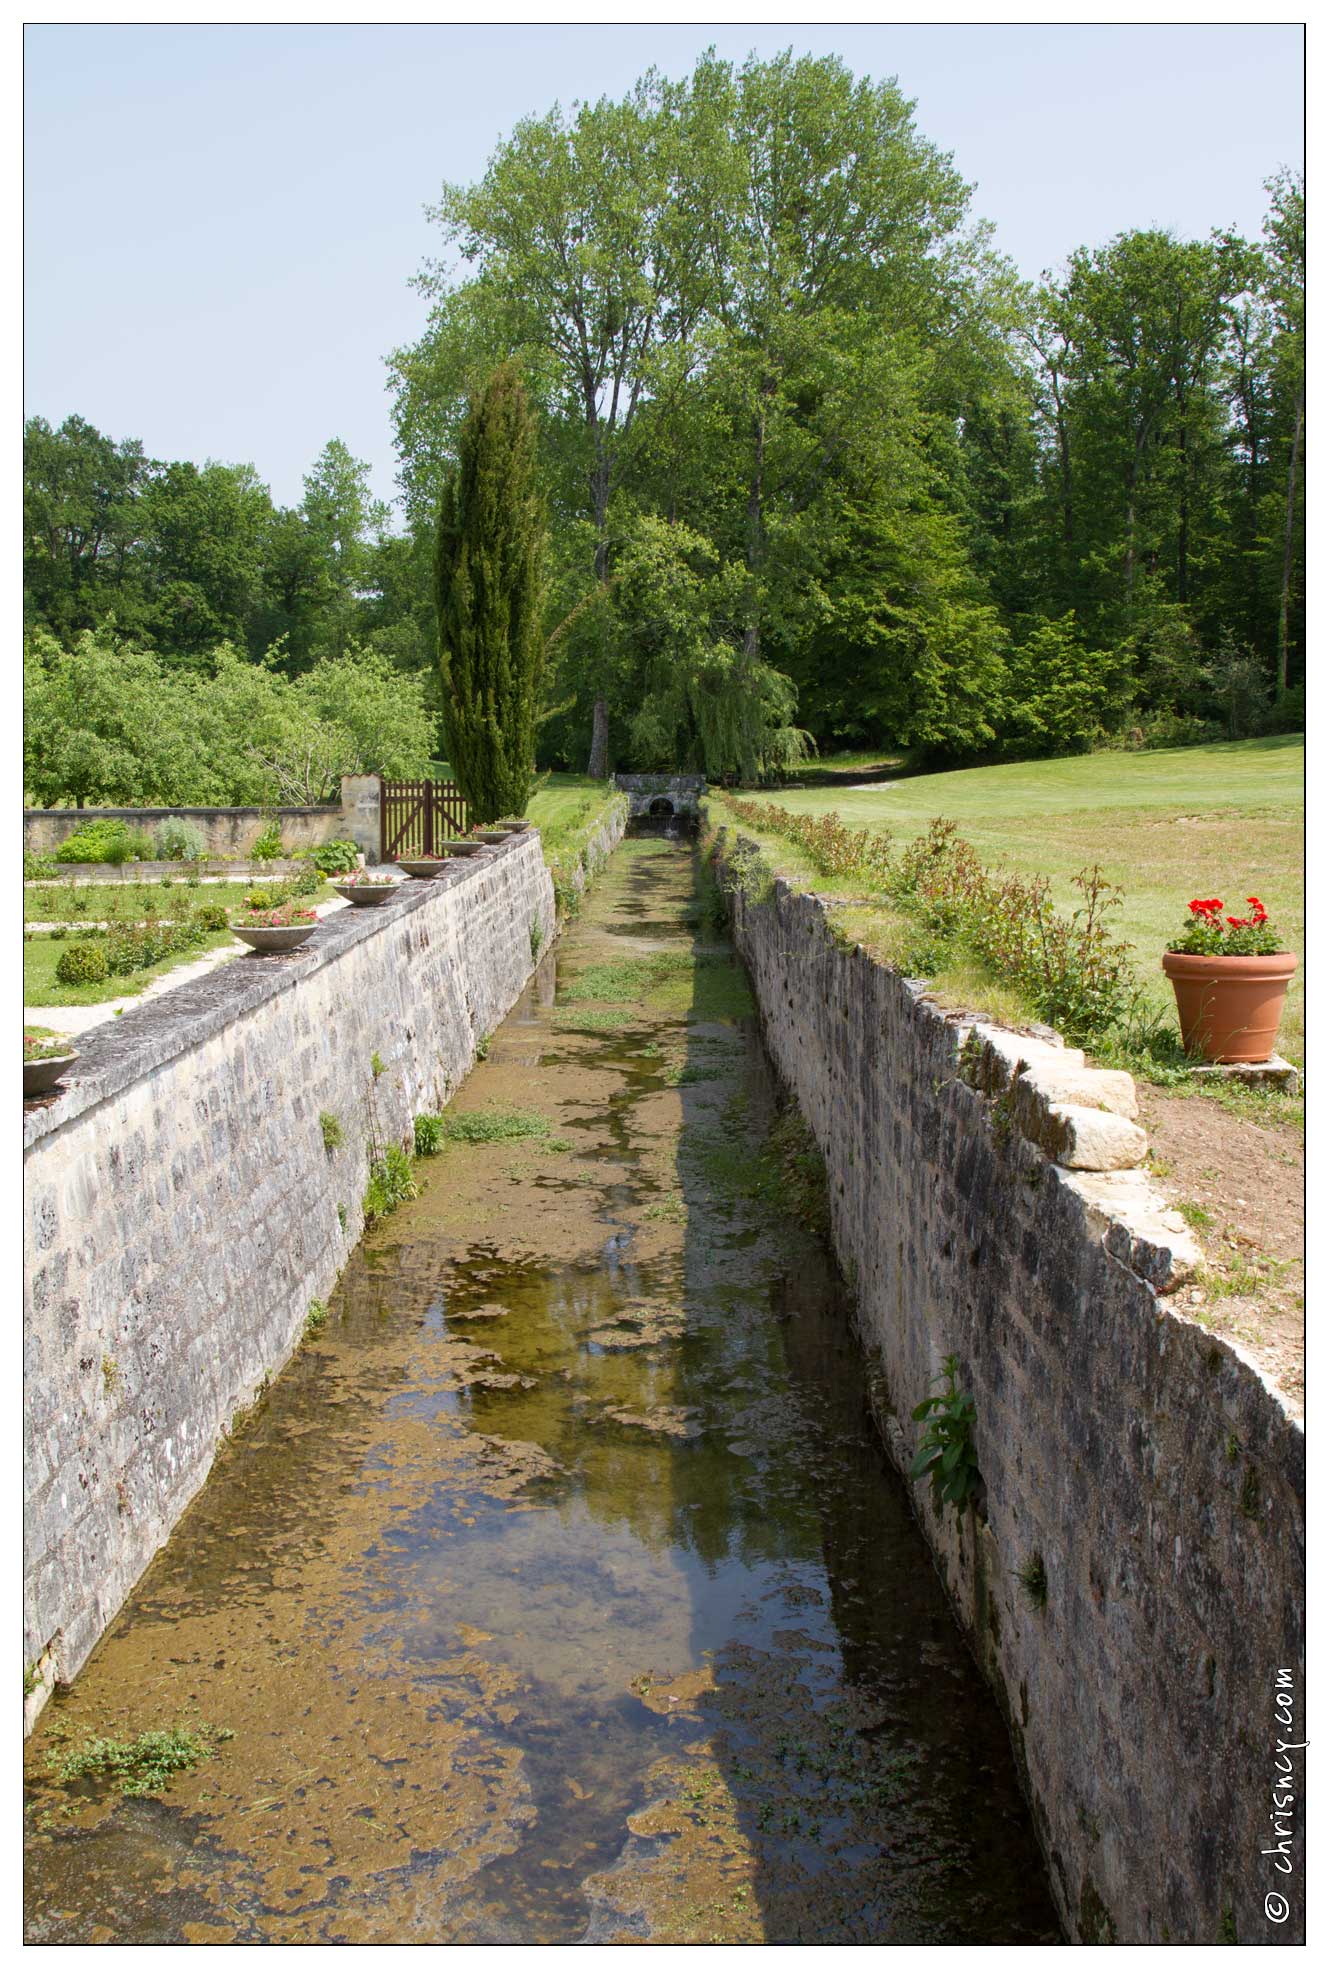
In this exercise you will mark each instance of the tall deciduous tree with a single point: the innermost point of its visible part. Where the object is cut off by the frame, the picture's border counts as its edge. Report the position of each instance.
(490, 583)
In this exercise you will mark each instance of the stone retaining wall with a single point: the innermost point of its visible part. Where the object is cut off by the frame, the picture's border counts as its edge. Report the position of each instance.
(225, 830)
(987, 1201)
(181, 1209)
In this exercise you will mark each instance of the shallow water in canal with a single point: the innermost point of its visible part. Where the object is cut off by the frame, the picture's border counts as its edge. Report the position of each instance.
(559, 1590)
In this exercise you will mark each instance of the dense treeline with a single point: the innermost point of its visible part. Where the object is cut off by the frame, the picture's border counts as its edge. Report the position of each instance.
(814, 460)
(190, 643)
(182, 558)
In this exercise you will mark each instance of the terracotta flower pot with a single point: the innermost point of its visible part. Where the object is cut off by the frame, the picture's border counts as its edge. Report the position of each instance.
(1229, 1007)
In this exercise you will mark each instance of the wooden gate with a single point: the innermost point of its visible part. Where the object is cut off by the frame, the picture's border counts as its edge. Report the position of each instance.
(415, 815)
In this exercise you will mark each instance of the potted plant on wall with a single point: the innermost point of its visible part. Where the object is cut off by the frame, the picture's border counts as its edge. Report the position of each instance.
(1230, 975)
(366, 891)
(269, 930)
(45, 1062)
(423, 868)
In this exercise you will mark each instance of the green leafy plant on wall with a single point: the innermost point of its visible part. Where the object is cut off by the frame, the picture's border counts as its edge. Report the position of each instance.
(946, 1454)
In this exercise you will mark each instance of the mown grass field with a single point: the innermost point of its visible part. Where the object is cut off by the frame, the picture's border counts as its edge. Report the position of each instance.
(1208, 820)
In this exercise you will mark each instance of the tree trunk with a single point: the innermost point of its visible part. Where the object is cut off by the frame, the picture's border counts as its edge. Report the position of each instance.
(598, 767)
(1183, 514)
(751, 635)
(1284, 594)
(598, 764)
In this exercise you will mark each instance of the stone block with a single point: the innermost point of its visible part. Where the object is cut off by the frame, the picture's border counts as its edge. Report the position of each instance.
(1089, 1138)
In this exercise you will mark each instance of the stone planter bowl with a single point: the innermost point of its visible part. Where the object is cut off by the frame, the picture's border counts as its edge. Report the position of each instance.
(463, 847)
(264, 942)
(424, 871)
(516, 826)
(492, 836)
(366, 895)
(1229, 1007)
(40, 1076)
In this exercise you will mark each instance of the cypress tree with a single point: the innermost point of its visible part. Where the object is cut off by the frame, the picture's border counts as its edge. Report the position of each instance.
(488, 574)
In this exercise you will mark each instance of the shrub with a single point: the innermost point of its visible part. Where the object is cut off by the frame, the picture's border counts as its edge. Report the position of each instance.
(210, 917)
(83, 963)
(268, 846)
(179, 840)
(107, 841)
(1074, 974)
(334, 857)
(305, 882)
(263, 898)
(390, 1184)
(135, 946)
(38, 868)
(429, 1133)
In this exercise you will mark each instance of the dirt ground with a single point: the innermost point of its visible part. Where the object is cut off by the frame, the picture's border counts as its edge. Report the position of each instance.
(1241, 1186)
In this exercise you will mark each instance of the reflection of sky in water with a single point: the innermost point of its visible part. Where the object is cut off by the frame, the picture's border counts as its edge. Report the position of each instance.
(578, 1605)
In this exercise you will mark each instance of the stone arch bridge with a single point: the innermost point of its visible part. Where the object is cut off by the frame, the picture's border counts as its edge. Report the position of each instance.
(661, 796)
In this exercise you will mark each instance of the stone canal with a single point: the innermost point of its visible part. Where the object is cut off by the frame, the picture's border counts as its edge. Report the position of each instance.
(558, 1591)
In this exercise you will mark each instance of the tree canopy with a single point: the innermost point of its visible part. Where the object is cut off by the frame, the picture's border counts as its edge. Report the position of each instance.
(816, 467)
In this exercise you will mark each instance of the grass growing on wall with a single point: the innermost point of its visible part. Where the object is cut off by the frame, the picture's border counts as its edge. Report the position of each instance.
(568, 809)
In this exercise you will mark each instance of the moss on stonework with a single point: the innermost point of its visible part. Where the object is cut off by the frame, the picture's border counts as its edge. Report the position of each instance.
(1095, 1923)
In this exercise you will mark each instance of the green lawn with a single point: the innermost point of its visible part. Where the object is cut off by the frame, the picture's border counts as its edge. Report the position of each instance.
(1218, 820)
(565, 808)
(41, 954)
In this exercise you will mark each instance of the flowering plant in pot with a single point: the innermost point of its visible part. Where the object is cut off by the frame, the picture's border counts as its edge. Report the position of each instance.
(1230, 975)
(266, 930)
(44, 1062)
(364, 890)
(424, 867)
(491, 835)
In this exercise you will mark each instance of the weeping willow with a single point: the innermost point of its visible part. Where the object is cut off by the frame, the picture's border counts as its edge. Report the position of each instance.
(705, 703)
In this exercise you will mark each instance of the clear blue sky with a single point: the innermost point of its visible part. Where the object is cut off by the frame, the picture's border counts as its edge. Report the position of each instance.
(221, 221)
